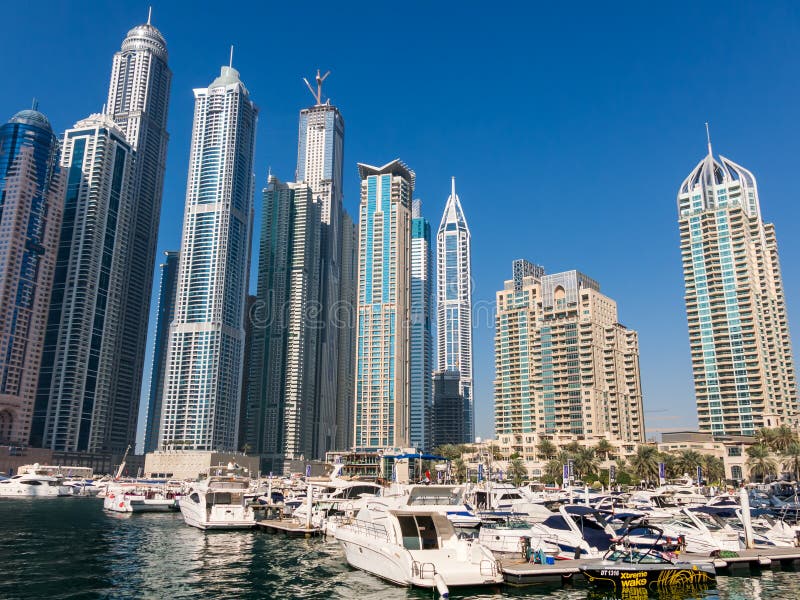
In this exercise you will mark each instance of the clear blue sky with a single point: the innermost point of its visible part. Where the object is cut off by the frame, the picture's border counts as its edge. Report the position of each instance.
(568, 130)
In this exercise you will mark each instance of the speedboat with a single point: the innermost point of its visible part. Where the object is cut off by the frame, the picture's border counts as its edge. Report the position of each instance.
(31, 485)
(624, 569)
(219, 502)
(415, 545)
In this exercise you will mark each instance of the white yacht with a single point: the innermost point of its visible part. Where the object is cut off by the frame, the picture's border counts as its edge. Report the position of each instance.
(137, 498)
(31, 485)
(218, 502)
(415, 545)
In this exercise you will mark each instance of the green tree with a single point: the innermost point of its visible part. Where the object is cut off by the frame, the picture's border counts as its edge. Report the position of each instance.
(459, 469)
(713, 468)
(546, 449)
(604, 449)
(517, 471)
(553, 471)
(760, 463)
(644, 463)
(687, 461)
(765, 437)
(791, 460)
(572, 447)
(586, 463)
(782, 438)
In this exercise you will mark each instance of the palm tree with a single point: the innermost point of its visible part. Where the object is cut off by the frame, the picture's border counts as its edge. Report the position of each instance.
(572, 447)
(713, 468)
(791, 459)
(517, 471)
(645, 462)
(586, 462)
(782, 438)
(604, 449)
(546, 449)
(552, 471)
(760, 463)
(459, 469)
(687, 462)
(765, 437)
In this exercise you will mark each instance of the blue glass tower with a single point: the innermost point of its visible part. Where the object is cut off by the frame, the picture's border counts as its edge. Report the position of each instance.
(31, 198)
(421, 331)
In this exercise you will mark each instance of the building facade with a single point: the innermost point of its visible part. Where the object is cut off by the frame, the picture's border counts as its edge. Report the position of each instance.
(283, 401)
(31, 202)
(421, 335)
(202, 385)
(166, 311)
(345, 316)
(320, 161)
(449, 409)
(78, 405)
(381, 413)
(744, 374)
(564, 363)
(454, 300)
(138, 99)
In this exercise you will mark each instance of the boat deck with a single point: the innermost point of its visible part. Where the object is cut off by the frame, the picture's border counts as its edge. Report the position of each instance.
(518, 572)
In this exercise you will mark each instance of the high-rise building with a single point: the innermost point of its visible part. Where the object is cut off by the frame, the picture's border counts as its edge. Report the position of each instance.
(454, 301)
(166, 311)
(564, 364)
(744, 374)
(31, 202)
(345, 321)
(282, 390)
(138, 99)
(381, 413)
(421, 336)
(250, 325)
(79, 406)
(449, 409)
(202, 386)
(320, 159)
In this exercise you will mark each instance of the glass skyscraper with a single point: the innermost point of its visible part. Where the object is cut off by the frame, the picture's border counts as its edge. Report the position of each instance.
(202, 387)
(454, 301)
(744, 373)
(282, 392)
(166, 311)
(421, 365)
(382, 408)
(79, 406)
(31, 202)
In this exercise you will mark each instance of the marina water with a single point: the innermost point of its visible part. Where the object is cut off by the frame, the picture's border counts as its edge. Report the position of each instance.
(71, 548)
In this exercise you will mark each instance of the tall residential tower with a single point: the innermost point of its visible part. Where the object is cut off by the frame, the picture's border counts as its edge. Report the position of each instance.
(744, 374)
(421, 336)
(454, 301)
(202, 386)
(31, 201)
(381, 412)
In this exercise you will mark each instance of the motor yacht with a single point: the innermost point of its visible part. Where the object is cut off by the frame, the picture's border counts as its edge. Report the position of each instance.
(138, 498)
(219, 502)
(32, 485)
(415, 545)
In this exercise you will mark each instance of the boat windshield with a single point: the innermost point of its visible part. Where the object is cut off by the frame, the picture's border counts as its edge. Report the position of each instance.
(632, 556)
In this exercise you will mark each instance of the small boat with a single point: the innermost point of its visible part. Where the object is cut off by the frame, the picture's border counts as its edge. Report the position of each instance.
(624, 568)
(134, 498)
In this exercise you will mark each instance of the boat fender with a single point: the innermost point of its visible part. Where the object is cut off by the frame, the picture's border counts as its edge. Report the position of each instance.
(441, 586)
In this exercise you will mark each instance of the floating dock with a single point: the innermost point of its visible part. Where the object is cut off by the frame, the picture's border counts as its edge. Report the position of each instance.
(518, 572)
(288, 527)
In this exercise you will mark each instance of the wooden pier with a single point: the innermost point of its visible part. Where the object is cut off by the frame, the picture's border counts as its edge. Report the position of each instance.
(518, 572)
(288, 527)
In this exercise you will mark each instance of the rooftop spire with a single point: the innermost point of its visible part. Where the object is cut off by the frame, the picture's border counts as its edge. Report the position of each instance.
(35, 104)
(453, 187)
(708, 138)
(230, 64)
(149, 14)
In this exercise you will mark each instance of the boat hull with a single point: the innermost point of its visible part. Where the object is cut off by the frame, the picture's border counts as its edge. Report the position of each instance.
(651, 577)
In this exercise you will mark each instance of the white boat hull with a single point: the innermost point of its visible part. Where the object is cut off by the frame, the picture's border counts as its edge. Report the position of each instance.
(218, 517)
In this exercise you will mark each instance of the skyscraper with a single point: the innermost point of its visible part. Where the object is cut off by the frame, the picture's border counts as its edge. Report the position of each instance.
(138, 99)
(454, 300)
(449, 410)
(564, 363)
(345, 321)
(320, 156)
(421, 336)
(381, 412)
(203, 380)
(79, 406)
(31, 202)
(166, 311)
(282, 391)
(744, 374)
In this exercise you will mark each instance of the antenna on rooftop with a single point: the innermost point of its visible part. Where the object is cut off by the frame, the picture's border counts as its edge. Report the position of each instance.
(318, 94)
(35, 104)
(149, 14)
(708, 138)
(230, 64)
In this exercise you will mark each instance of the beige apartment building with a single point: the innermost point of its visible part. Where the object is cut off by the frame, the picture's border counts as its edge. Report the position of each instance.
(742, 362)
(564, 364)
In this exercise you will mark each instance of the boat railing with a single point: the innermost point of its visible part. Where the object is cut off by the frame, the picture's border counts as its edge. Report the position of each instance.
(489, 568)
(366, 528)
(423, 570)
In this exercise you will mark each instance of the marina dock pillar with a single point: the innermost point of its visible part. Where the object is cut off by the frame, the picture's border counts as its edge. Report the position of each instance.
(744, 499)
